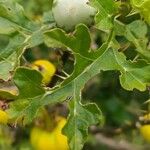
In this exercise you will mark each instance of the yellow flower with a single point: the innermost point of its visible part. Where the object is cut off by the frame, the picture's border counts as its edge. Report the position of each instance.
(46, 68)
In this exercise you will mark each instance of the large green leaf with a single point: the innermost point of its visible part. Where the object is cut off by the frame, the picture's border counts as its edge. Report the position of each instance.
(79, 44)
(133, 75)
(32, 96)
(109, 60)
(12, 19)
(29, 84)
(22, 33)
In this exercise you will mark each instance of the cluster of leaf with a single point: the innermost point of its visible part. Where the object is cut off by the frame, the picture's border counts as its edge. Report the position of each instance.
(18, 33)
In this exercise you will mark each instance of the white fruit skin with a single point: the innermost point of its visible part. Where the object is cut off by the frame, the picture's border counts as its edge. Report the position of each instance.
(69, 13)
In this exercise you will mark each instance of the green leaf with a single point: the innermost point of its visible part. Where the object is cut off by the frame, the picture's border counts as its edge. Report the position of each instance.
(36, 38)
(135, 75)
(33, 78)
(32, 95)
(135, 32)
(48, 17)
(80, 118)
(29, 84)
(106, 10)
(5, 68)
(108, 60)
(14, 15)
(7, 27)
(139, 29)
(143, 7)
(19, 28)
(9, 56)
(24, 109)
(22, 33)
(132, 75)
(79, 42)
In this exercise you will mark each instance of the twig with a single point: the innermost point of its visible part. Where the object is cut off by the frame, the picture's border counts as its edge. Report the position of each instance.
(114, 144)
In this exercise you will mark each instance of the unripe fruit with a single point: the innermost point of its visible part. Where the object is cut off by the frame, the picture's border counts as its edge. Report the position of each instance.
(145, 132)
(60, 138)
(42, 140)
(54, 140)
(3, 117)
(69, 13)
(46, 68)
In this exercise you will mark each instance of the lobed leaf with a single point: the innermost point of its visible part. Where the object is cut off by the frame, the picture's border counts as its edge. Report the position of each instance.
(104, 18)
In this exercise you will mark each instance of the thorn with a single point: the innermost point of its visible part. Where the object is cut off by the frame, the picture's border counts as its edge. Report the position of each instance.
(60, 76)
(65, 73)
(135, 57)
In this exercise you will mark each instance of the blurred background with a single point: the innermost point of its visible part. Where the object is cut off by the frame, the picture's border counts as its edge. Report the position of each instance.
(121, 108)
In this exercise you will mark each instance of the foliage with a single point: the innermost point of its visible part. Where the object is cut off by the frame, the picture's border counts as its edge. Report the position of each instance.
(19, 34)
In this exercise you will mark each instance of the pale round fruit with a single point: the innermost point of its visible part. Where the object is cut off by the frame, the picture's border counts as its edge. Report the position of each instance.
(69, 13)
